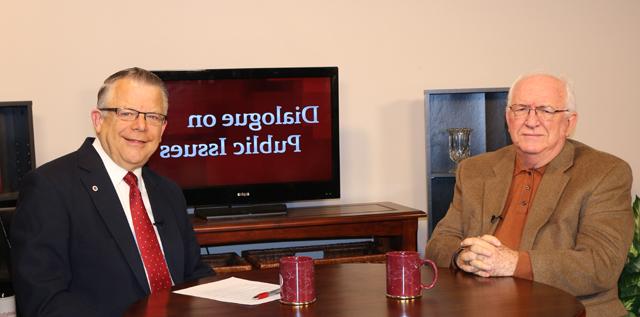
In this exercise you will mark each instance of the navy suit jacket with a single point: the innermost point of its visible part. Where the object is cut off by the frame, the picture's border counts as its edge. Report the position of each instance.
(74, 253)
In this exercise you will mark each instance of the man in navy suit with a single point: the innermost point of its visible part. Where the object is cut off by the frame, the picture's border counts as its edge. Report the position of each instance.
(75, 249)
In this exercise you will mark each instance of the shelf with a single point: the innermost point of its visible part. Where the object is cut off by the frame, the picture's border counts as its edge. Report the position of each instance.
(482, 110)
(434, 175)
(391, 226)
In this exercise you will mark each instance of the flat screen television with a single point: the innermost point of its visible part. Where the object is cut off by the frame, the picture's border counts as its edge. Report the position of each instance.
(17, 156)
(259, 136)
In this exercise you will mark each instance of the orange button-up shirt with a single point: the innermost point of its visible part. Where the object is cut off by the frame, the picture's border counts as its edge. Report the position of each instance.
(524, 186)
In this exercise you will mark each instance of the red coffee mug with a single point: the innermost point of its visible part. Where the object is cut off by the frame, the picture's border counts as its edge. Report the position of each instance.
(403, 274)
(297, 286)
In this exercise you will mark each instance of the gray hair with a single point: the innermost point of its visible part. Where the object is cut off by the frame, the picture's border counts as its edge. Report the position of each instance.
(137, 74)
(570, 98)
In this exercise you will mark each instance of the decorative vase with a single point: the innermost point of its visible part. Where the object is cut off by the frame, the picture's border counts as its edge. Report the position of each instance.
(459, 146)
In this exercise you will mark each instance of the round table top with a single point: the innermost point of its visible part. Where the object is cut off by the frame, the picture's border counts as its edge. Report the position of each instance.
(359, 290)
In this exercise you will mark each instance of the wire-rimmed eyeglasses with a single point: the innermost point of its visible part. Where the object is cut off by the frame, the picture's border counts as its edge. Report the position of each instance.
(127, 114)
(543, 112)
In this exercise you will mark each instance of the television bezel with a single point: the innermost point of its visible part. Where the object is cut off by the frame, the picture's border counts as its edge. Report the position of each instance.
(266, 193)
(9, 199)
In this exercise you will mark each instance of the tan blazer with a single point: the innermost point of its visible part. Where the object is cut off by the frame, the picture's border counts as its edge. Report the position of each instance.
(579, 227)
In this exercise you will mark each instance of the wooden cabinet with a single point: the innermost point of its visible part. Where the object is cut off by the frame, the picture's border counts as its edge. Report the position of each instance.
(392, 226)
(479, 109)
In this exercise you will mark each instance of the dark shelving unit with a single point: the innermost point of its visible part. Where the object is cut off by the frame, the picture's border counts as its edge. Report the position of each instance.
(479, 109)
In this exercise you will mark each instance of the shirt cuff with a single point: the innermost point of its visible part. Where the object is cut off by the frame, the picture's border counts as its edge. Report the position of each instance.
(523, 268)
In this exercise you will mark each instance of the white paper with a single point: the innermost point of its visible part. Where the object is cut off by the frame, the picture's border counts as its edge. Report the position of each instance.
(233, 290)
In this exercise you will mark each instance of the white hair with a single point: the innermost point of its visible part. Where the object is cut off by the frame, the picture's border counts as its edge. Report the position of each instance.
(570, 98)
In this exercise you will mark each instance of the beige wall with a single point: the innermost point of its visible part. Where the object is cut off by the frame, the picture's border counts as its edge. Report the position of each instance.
(56, 53)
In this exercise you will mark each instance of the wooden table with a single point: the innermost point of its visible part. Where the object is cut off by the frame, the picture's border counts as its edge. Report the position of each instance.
(359, 290)
(390, 224)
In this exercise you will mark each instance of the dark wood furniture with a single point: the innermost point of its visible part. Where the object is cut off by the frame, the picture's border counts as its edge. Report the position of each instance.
(391, 225)
(6, 215)
(359, 290)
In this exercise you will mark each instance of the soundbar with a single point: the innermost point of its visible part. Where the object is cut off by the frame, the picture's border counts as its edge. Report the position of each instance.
(240, 211)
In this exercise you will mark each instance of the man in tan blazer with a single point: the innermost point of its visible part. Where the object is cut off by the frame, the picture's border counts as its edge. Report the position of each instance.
(546, 208)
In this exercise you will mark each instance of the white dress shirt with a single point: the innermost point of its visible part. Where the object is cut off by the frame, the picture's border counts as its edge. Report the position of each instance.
(116, 174)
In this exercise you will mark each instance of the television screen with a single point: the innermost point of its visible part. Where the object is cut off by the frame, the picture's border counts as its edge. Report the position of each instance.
(251, 136)
(16, 148)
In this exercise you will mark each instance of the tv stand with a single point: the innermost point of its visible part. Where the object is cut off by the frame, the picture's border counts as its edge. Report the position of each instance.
(391, 225)
(239, 211)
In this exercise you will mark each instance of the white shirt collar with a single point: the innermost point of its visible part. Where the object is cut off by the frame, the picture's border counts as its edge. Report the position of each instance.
(115, 171)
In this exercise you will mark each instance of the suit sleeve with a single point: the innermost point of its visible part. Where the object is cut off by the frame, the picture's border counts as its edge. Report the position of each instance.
(447, 235)
(40, 238)
(194, 267)
(602, 242)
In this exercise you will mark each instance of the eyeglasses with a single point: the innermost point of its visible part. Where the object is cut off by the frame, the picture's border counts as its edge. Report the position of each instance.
(543, 112)
(126, 114)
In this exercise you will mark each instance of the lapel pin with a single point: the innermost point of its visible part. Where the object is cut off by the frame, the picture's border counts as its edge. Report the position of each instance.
(94, 188)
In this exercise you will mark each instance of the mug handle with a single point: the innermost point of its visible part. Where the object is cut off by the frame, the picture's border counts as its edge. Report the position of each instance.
(435, 274)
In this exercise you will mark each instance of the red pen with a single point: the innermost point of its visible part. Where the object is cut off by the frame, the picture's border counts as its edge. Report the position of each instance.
(264, 295)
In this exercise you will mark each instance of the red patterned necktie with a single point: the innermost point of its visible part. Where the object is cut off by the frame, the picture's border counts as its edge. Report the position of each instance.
(148, 245)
